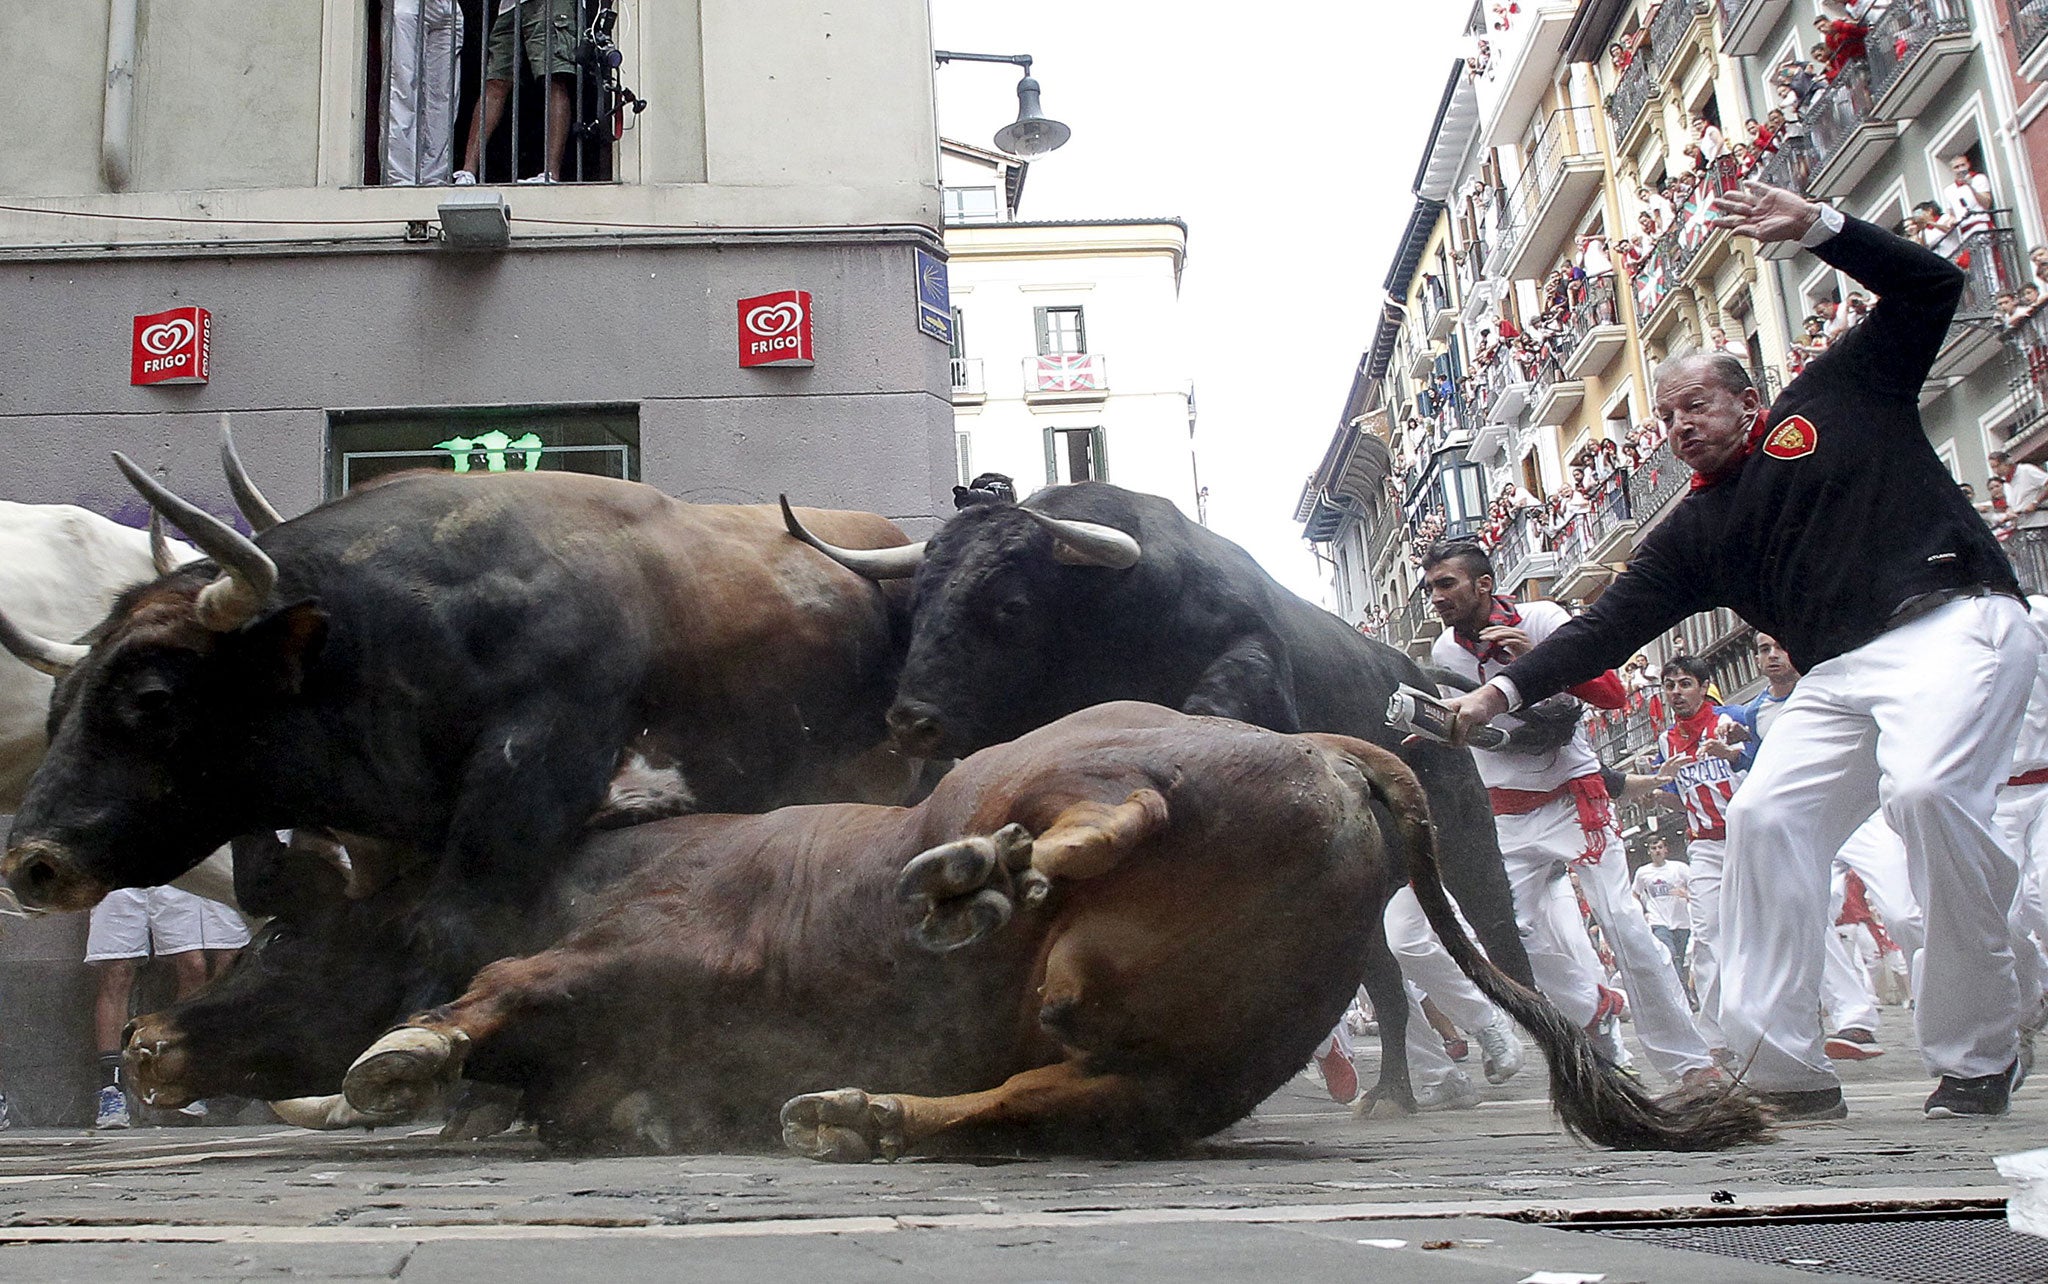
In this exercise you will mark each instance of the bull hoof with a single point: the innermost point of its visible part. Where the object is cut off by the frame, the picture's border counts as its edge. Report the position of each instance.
(843, 1127)
(405, 1072)
(968, 887)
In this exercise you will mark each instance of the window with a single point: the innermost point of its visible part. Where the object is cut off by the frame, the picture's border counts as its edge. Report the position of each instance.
(425, 64)
(959, 342)
(963, 456)
(972, 205)
(367, 444)
(1074, 454)
(1060, 331)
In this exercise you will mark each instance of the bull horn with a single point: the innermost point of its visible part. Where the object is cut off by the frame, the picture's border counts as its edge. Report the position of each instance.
(875, 563)
(39, 653)
(159, 547)
(236, 596)
(1088, 543)
(255, 509)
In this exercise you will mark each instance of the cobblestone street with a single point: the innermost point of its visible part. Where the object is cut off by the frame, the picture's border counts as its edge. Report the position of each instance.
(1301, 1189)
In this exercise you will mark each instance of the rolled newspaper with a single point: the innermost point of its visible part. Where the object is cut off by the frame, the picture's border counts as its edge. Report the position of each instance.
(1425, 715)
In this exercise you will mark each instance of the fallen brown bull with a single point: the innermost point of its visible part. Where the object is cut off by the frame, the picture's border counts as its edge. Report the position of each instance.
(1135, 925)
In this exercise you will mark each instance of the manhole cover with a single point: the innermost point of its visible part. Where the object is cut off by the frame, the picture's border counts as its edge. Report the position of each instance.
(1905, 1250)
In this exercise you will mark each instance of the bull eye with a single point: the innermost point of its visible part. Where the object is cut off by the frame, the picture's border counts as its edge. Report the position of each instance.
(151, 699)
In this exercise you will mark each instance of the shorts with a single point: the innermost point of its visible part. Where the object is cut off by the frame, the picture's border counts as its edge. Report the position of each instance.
(550, 41)
(138, 922)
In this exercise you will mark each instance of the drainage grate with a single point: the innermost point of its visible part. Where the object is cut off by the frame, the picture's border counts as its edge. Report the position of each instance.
(1911, 1250)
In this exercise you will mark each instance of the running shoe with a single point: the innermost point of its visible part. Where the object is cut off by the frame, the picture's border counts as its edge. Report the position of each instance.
(1983, 1096)
(1500, 1049)
(1457, 1049)
(1454, 1092)
(111, 1109)
(1853, 1043)
(1812, 1106)
(1340, 1077)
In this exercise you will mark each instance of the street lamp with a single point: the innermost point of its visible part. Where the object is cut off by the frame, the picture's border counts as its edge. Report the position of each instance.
(1033, 133)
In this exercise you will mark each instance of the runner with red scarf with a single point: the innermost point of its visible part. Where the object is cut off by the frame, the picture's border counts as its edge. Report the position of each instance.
(1839, 532)
(1700, 761)
(1552, 812)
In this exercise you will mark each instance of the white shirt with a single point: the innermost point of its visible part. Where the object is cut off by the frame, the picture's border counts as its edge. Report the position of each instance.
(2024, 488)
(1968, 204)
(1663, 891)
(1501, 770)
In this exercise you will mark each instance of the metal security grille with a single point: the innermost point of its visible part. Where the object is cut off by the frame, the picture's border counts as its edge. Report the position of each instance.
(1910, 1250)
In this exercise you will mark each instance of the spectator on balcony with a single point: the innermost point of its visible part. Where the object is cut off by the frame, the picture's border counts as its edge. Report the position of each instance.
(1762, 138)
(1992, 508)
(1658, 207)
(1796, 82)
(1620, 56)
(2027, 304)
(544, 33)
(1746, 159)
(1843, 40)
(2037, 261)
(1718, 341)
(1795, 522)
(1966, 202)
(1707, 136)
(2024, 486)
(1595, 261)
(422, 39)
(1848, 316)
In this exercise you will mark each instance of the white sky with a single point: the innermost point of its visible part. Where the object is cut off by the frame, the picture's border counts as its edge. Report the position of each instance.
(1288, 147)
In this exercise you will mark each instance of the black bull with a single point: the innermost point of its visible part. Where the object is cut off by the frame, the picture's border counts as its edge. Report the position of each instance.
(1016, 622)
(456, 665)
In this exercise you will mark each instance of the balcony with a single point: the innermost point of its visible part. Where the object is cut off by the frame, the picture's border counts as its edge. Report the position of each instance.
(1437, 311)
(1655, 281)
(1790, 166)
(1507, 389)
(1632, 93)
(1699, 242)
(968, 388)
(1847, 142)
(2029, 21)
(1414, 358)
(1915, 46)
(1655, 485)
(1523, 59)
(1479, 291)
(2029, 553)
(1596, 333)
(1602, 534)
(1418, 625)
(1521, 555)
(1563, 176)
(1992, 265)
(1746, 25)
(1554, 397)
(1059, 377)
(1624, 738)
(2026, 360)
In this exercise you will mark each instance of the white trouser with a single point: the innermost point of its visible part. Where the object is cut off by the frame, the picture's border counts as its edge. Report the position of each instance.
(1846, 999)
(1429, 970)
(2023, 822)
(1531, 846)
(1877, 856)
(1704, 858)
(421, 40)
(1921, 720)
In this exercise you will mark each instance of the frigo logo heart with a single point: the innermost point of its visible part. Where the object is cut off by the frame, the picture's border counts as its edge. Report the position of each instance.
(772, 319)
(166, 336)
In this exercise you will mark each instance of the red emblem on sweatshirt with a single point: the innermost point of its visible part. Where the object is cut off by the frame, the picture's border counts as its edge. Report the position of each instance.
(1793, 439)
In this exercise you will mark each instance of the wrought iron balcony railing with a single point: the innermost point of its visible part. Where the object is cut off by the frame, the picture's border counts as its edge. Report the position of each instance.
(2026, 351)
(1990, 258)
(1833, 114)
(1656, 482)
(2029, 553)
(1632, 93)
(1790, 165)
(2029, 20)
(1656, 276)
(1674, 18)
(1904, 31)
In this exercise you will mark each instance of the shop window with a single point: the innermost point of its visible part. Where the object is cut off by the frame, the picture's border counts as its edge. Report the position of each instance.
(366, 445)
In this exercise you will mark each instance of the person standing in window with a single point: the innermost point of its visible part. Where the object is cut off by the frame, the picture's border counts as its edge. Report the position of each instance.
(422, 39)
(546, 32)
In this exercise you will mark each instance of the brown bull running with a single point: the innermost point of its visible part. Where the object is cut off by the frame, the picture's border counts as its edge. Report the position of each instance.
(1125, 930)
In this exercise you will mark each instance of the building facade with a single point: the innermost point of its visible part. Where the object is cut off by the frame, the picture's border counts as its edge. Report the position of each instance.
(244, 160)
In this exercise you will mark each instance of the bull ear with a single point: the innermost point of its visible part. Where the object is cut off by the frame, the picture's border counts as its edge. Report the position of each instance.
(284, 644)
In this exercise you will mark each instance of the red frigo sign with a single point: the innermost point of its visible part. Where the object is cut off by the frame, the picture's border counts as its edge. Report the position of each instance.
(171, 347)
(775, 329)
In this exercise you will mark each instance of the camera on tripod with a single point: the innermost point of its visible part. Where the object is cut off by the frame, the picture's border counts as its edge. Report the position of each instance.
(598, 53)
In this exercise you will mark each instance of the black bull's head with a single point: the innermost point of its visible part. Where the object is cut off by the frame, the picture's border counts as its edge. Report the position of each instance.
(148, 721)
(998, 591)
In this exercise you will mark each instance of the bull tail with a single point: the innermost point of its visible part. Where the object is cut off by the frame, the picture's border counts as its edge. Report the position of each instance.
(1591, 1099)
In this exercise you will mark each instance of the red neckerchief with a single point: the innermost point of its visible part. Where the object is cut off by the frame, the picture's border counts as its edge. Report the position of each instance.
(1503, 612)
(1700, 481)
(1687, 733)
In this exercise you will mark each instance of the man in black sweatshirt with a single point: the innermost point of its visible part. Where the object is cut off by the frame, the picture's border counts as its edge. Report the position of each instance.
(1827, 521)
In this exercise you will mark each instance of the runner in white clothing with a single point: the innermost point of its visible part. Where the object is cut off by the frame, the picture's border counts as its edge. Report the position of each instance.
(1664, 886)
(1552, 811)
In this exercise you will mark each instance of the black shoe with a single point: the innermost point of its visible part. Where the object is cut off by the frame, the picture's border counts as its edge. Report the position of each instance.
(1986, 1095)
(1800, 1107)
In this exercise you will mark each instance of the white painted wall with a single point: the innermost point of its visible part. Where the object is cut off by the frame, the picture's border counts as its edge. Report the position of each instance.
(1125, 278)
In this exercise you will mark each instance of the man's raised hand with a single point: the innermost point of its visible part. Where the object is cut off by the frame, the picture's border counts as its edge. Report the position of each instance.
(1764, 213)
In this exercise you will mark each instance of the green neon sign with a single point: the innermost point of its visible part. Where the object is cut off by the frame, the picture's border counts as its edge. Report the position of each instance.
(493, 446)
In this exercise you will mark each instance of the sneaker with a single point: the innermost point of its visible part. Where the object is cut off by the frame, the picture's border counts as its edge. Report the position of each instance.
(1810, 1106)
(1984, 1096)
(1500, 1049)
(1454, 1092)
(1852, 1043)
(538, 178)
(1340, 1077)
(195, 1111)
(111, 1108)
(1457, 1049)
(463, 178)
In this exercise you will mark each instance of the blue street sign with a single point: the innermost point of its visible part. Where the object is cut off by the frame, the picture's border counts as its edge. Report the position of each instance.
(934, 304)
